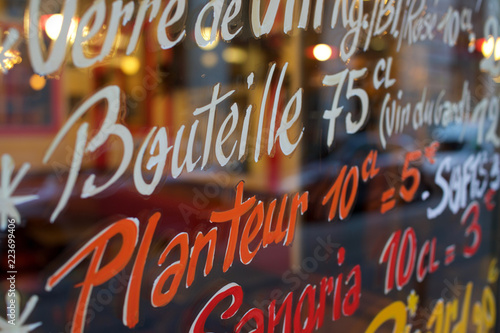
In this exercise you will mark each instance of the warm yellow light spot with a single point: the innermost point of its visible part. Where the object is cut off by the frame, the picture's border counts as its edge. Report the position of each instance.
(85, 31)
(206, 32)
(497, 49)
(234, 55)
(130, 65)
(9, 56)
(9, 59)
(488, 47)
(322, 52)
(53, 26)
(37, 82)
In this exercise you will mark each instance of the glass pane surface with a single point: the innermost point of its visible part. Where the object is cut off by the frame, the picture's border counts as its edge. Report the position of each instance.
(249, 166)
